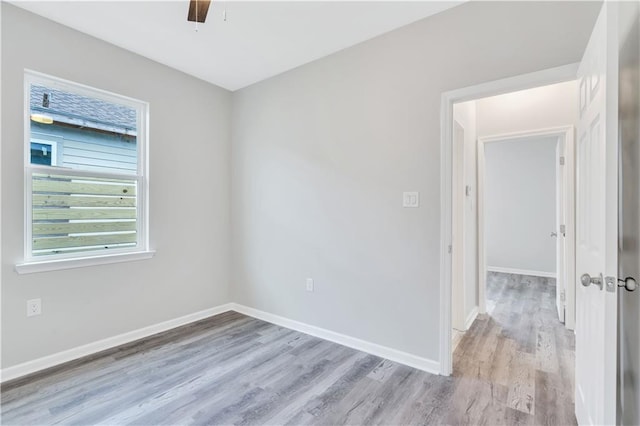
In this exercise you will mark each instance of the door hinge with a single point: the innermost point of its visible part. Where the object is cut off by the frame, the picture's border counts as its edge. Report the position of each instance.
(563, 229)
(450, 248)
(562, 296)
(562, 161)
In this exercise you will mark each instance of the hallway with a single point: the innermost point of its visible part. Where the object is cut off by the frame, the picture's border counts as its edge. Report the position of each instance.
(515, 365)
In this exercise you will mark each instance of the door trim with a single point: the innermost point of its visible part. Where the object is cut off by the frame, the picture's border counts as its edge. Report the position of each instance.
(458, 224)
(567, 134)
(492, 88)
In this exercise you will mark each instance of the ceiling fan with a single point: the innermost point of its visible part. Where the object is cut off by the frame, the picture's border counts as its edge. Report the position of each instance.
(198, 10)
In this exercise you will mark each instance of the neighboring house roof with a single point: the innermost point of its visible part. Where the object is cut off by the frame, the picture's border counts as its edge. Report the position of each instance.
(84, 111)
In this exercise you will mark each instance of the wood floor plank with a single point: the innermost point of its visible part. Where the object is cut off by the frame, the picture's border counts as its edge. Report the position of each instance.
(505, 357)
(383, 370)
(559, 405)
(430, 403)
(298, 404)
(546, 354)
(522, 383)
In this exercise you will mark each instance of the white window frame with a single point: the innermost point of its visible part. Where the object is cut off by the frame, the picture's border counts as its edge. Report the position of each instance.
(80, 259)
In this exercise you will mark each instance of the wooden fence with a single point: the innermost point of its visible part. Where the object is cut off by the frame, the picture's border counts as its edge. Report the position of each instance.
(72, 213)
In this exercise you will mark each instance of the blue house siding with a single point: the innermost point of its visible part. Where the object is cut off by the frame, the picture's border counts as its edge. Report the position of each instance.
(86, 149)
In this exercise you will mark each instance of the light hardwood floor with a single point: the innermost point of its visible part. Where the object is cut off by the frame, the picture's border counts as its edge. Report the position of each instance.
(512, 367)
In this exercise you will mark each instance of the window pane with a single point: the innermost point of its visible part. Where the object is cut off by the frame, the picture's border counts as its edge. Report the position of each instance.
(41, 154)
(89, 133)
(72, 214)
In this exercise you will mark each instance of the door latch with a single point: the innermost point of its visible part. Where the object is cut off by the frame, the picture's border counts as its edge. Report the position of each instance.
(611, 284)
(628, 283)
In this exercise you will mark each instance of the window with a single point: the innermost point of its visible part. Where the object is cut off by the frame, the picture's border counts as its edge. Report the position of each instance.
(44, 152)
(85, 160)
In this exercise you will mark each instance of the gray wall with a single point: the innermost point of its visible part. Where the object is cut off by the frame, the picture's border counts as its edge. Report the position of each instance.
(189, 197)
(526, 110)
(322, 154)
(520, 204)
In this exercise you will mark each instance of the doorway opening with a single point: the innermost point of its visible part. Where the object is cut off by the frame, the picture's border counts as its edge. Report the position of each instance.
(513, 241)
(459, 220)
(593, 380)
(526, 206)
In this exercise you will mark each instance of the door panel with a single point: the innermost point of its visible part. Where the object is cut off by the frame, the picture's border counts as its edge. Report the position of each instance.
(596, 252)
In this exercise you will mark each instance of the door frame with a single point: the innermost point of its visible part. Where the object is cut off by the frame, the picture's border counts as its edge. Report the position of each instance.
(458, 224)
(567, 135)
(563, 190)
(492, 88)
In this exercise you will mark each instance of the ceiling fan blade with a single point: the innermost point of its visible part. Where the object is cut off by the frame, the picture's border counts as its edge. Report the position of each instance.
(199, 9)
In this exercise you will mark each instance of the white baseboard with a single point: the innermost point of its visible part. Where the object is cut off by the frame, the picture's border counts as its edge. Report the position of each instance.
(395, 355)
(48, 361)
(471, 318)
(521, 272)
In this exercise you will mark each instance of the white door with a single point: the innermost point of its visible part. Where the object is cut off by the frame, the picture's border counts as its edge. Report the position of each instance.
(596, 215)
(560, 232)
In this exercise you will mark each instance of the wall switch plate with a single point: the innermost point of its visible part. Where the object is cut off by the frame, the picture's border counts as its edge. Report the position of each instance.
(309, 284)
(411, 199)
(34, 307)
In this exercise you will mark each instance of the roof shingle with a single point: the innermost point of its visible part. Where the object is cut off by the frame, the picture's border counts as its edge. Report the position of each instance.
(95, 111)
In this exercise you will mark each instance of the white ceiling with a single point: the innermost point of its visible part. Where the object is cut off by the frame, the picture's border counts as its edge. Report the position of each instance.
(258, 40)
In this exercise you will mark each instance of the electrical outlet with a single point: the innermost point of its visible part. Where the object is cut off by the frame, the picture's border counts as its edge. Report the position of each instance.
(34, 307)
(309, 284)
(410, 199)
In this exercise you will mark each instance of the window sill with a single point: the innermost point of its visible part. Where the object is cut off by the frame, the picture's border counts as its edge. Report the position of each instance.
(59, 264)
